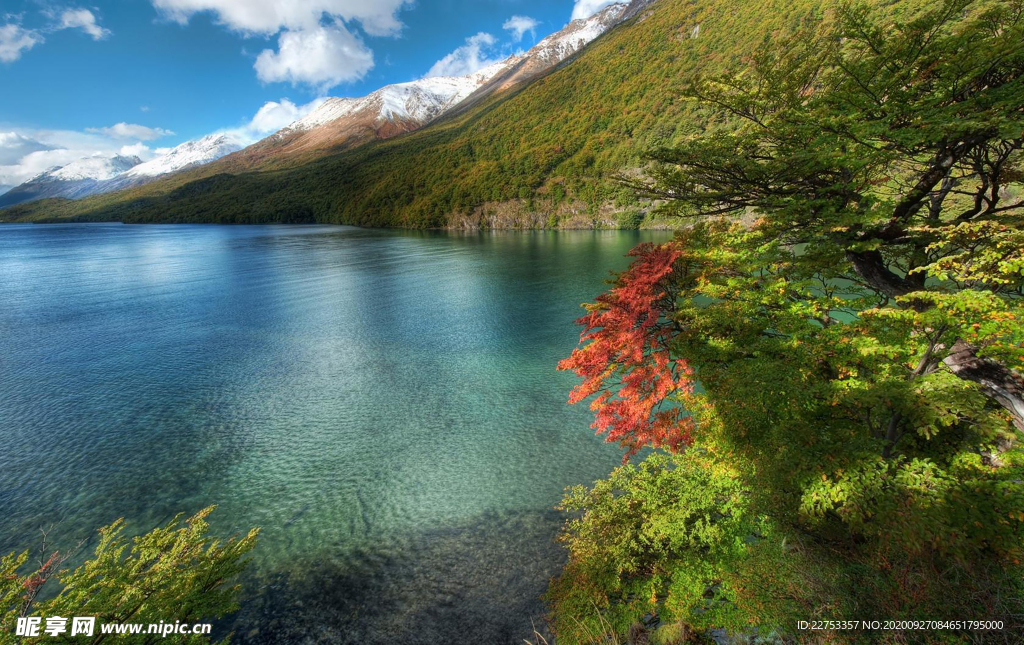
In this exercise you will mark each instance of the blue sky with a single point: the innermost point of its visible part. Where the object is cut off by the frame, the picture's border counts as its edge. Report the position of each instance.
(141, 75)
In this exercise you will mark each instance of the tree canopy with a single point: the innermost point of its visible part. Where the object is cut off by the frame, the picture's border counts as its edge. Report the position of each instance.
(840, 321)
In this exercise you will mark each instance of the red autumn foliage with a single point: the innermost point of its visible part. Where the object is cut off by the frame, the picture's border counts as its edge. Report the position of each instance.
(39, 578)
(625, 343)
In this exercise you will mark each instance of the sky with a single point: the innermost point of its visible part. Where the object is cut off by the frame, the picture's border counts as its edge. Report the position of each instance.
(139, 76)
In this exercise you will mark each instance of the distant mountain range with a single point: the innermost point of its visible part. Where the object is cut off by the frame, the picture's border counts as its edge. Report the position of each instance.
(336, 124)
(77, 179)
(538, 143)
(98, 174)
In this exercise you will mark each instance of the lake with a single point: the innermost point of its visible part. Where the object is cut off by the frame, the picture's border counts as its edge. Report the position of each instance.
(384, 404)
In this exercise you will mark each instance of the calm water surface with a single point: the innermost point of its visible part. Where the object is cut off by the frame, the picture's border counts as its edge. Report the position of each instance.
(383, 404)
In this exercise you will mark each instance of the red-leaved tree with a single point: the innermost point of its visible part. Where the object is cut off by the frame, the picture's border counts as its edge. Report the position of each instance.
(625, 343)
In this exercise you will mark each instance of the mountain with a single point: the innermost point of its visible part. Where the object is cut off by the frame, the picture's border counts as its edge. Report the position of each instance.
(186, 155)
(340, 123)
(543, 152)
(98, 174)
(343, 124)
(557, 47)
(76, 179)
(391, 110)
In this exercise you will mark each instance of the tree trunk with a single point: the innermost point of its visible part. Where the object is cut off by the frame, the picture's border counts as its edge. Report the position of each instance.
(1000, 383)
(871, 267)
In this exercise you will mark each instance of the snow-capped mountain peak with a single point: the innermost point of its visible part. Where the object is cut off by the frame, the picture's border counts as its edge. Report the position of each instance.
(186, 155)
(79, 178)
(402, 107)
(578, 33)
(98, 167)
(102, 174)
(421, 100)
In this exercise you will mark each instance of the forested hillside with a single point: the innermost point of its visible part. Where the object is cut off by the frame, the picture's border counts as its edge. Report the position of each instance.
(541, 154)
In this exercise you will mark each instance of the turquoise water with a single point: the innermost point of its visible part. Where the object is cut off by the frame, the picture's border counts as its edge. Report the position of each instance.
(383, 404)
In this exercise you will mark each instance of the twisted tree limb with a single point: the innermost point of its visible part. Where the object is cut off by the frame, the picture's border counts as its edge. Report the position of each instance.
(998, 382)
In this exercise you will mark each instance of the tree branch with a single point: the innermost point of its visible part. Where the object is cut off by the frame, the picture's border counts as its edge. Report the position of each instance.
(870, 266)
(998, 382)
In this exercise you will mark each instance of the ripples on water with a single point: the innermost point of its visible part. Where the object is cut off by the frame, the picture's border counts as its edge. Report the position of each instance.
(383, 404)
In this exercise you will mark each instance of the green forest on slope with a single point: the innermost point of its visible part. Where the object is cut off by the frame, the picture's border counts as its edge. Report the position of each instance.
(543, 152)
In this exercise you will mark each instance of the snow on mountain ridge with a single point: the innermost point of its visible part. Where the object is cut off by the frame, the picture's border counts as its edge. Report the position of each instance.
(97, 167)
(420, 100)
(186, 155)
(425, 99)
(77, 179)
(102, 174)
(578, 33)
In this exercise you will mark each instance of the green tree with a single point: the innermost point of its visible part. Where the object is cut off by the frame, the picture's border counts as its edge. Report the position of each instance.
(841, 322)
(173, 573)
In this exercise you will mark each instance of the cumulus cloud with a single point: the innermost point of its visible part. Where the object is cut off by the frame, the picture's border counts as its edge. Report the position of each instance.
(14, 146)
(85, 20)
(14, 40)
(274, 115)
(140, 150)
(131, 131)
(270, 118)
(519, 25)
(468, 58)
(316, 45)
(587, 8)
(378, 18)
(26, 153)
(321, 57)
(34, 164)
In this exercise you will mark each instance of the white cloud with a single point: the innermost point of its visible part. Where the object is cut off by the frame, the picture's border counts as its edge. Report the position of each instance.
(25, 154)
(467, 58)
(38, 161)
(14, 39)
(85, 20)
(274, 115)
(140, 150)
(316, 45)
(131, 131)
(270, 118)
(377, 17)
(14, 146)
(587, 8)
(519, 25)
(321, 57)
